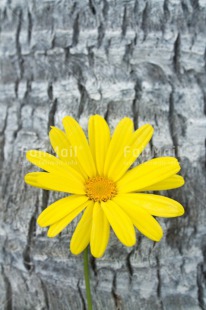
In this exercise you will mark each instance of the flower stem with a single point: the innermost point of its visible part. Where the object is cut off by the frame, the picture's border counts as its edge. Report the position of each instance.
(87, 280)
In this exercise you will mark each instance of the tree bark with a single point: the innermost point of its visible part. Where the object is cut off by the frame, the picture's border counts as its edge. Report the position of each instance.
(142, 59)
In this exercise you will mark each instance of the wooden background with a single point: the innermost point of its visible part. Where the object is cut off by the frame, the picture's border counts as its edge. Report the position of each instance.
(142, 59)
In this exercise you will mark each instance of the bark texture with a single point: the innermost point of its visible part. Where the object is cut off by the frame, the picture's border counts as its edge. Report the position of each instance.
(142, 59)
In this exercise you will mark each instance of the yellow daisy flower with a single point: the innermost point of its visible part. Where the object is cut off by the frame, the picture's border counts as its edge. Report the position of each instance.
(96, 174)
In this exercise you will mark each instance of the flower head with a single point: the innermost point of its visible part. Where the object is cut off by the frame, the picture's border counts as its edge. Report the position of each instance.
(96, 174)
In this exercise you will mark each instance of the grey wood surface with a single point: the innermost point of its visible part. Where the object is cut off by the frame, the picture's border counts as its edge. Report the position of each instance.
(142, 59)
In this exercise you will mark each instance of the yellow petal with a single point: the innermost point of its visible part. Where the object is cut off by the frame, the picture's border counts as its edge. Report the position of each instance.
(120, 222)
(50, 163)
(148, 173)
(59, 209)
(100, 231)
(64, 150)
(122, 134)
(32, 180)
(141, 219)
(60, 144)
(81, 236)
(53, 182)
(154, 204)
(57, 227)
(129, 153)
(174, 181)
(99, 138)
(78, 139)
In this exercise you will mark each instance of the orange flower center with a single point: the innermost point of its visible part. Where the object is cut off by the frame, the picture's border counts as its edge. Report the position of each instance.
(100, 189)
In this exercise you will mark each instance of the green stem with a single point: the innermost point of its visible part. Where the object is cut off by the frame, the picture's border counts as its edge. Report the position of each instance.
(86, 277)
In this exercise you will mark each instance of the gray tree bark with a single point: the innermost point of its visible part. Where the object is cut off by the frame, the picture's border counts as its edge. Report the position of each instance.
(142, 59)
